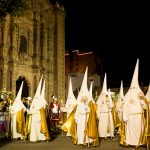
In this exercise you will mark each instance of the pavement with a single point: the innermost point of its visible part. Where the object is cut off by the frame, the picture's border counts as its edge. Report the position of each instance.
(61, 142)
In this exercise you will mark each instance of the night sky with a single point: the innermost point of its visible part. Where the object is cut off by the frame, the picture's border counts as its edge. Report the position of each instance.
(118, 32)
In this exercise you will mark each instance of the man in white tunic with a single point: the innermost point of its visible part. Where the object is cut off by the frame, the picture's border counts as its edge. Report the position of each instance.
(119, 106)
(90, 119)
(37, 121)
(82, 113)
(81, 118)
(120, 102)
(104, 113)
(133, 112)
(17, 117)
(70, 103)
(82, 122)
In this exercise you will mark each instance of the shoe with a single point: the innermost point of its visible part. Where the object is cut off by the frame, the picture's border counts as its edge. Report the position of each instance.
(82, 145)
(136, 147)
(112, 138)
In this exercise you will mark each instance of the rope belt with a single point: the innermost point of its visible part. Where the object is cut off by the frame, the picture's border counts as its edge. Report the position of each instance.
(136, 114)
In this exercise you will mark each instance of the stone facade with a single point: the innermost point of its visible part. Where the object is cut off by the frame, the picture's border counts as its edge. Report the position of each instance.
(31, 46)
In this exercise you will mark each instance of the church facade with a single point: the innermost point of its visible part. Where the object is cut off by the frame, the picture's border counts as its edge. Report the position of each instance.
(32, 46)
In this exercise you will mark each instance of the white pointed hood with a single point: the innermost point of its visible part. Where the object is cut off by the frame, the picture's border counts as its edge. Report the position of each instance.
(134, 89)
(36, 104)
(148, 93)
(103, 91)
(121, 95)
(18, 105)
(110, 97)
(104, 88)
(84, 89)
(91, 91)
(135, 82)
(71, 100)
(42, 99)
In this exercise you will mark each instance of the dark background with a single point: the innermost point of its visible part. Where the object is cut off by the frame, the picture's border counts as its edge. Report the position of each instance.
(118, 32)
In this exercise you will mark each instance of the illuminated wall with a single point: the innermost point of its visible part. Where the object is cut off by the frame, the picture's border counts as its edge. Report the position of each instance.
(34, 45)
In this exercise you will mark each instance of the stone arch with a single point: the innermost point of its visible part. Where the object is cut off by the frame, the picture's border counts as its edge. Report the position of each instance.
(26, 87)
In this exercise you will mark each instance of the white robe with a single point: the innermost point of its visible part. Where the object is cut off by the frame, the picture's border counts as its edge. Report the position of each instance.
(13, 111)
(81, 118)
(14, 132)
(132, 115)
(35, 130)
(119, 109)
(105, 125)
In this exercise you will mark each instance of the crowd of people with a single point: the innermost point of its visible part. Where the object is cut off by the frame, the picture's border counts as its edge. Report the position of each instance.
(88, 120)
(32, 119)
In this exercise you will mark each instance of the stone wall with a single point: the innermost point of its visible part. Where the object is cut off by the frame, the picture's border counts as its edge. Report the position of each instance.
(34, 45)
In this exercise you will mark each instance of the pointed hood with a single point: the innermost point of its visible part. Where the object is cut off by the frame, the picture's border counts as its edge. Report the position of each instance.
(120, 96)
(104, 88)
(91, 91)
(18, 105)
(104, 91)
(18, 97)
(84, 82)
(135, 82)
(42, 99)
(148, 93)
(110, 97)
(84, 89)
(36, 102)
(71, 100)
(134, 89)
(38, 91)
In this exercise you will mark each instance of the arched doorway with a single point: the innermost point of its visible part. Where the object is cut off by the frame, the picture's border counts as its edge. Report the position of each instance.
(25, 90)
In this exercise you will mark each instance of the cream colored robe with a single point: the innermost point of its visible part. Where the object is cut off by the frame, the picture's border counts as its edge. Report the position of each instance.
(81, 118)
(13, 111)
(119, 109)
(35, 129)
(104, 114)
(133, 116)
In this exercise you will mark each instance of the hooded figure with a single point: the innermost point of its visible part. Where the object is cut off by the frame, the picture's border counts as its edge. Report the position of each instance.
(104, 113)
(119, 109)
(38, 127)
(17, 116)
(70, 103)
(82, 119)
(133, 112)
(82, 112)
(120, 101)
(91, 92)
(85, 116)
